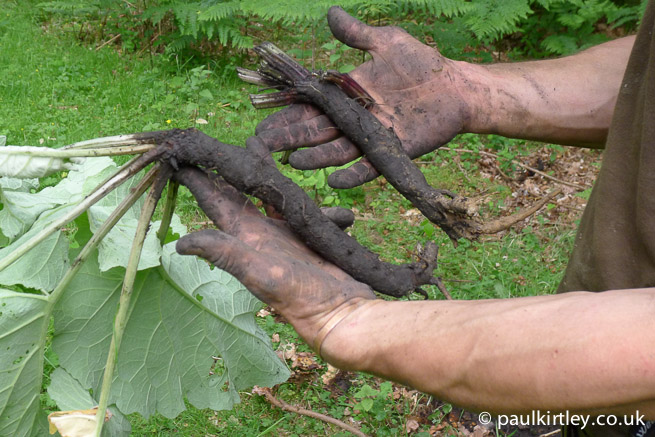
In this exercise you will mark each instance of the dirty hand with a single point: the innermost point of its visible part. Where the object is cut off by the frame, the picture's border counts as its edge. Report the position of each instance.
(266, 257)
(417, 92)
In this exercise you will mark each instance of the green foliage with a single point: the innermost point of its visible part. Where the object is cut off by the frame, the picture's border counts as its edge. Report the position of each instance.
(534, 28)
(183, 314)
(491, 19)
(569, 26)
(57, 91)
(221, 21)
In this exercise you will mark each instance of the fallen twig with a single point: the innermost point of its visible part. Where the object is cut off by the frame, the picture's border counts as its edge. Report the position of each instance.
(266, 392)
(442, 288)
(503, 223)
(520, 164)
(109, 41)
(553, 432)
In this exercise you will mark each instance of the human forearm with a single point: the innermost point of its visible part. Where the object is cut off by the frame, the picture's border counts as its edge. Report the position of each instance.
(568, 100)
(564, 352)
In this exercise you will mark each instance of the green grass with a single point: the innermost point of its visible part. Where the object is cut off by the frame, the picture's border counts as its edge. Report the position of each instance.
(54, 91)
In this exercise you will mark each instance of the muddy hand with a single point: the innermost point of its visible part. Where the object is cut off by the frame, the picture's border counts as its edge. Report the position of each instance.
(417, 92)
(266, 257)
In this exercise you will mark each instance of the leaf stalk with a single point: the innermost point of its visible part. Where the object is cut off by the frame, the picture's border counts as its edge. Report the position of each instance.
(112, 141)
(169, 209)
(98, 193)
(102, 231)
(126, 294)
(47, 152)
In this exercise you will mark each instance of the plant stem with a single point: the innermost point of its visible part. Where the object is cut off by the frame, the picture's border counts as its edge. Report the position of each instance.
(75, 153)
(97, 237)
(93, 242)
(126, 294)
(169, 208)
(98, 193)
(116, 140)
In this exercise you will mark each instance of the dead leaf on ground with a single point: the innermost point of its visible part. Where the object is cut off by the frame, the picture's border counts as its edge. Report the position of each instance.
(305, 362)
(411, 426)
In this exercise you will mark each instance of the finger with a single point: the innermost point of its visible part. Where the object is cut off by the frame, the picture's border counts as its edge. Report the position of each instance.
(350, 31)
(317, 130)
(353, 176)
(227, 253)
(285, 117)
(338, 152)
(222, 203)
(341, 217)
(273, 277)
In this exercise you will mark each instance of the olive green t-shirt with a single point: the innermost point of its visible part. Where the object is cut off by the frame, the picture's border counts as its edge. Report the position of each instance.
(615, 244)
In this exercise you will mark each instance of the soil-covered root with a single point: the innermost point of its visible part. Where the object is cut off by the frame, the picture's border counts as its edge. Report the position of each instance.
(252, 171)
(455, 214)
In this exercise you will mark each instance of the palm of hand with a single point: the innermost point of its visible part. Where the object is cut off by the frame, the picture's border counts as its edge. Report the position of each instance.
(265, 256)
(412, 85)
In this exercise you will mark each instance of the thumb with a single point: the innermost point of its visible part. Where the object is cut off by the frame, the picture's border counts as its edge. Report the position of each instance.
(350, 31)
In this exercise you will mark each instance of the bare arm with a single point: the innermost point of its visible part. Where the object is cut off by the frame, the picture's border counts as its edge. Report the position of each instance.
(566, 101)
(585, 352)
(582, 352)
(428, 99)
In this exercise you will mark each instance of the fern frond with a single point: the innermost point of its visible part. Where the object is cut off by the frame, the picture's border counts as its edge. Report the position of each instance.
(292, 11)
(155, 13)
(560, 44)
(448, 8)
(573, 21)
(228, 34)
(547, 4)
(179, 43)
(186, 15)
(491, 19)
(219, 11)
(69, 7)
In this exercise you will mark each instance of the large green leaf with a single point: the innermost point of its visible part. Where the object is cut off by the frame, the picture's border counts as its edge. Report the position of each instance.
(182, 315)
(166, 352)
(40, 268)
(18, 209)
(23, 326)
(245, 349)
(113, 251)
(22, 205)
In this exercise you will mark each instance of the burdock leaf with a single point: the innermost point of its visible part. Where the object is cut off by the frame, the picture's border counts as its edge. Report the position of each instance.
(22, 206)
(23, 327)
(24, 162)
(171, 336)
(113, 252)
(43, 266)
(15, 220)
(245, 349)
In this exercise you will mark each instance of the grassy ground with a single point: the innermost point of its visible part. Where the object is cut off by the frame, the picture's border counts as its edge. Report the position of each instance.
(54, 91)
